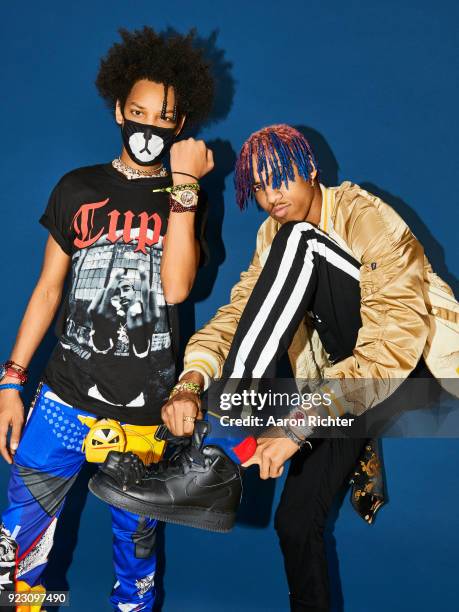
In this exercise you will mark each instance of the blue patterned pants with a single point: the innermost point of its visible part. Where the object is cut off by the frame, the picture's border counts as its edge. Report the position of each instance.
(46, 465)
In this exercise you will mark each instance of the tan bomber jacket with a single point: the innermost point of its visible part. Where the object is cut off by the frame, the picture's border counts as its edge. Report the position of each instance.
(406, 311)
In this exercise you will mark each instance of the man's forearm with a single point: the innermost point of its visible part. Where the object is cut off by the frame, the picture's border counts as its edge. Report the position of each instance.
(194, 377)
(180, 258)
(38, 316)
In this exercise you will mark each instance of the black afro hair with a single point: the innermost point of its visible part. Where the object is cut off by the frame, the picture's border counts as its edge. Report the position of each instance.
(168, 58)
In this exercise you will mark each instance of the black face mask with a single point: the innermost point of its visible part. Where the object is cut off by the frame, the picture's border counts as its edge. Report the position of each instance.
(145, 144)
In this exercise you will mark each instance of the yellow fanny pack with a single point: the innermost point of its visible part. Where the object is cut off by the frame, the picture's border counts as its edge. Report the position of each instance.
(107, 435)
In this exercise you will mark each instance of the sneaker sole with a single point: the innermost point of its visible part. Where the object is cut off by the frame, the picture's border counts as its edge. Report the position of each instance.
(200, 518)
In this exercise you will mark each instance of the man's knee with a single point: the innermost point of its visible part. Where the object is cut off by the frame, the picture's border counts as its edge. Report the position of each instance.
(296, 231)
(285, 530)
(295, 226)
(290, 530)
(294, 528)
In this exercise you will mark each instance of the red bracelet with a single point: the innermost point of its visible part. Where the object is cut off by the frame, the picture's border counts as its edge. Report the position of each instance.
(12, 373)
(18, 372)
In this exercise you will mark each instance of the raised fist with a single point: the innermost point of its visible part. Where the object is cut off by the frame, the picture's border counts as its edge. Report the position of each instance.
(192, 157)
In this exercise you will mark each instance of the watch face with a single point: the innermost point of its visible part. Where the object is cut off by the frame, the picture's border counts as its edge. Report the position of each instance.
(188, 198)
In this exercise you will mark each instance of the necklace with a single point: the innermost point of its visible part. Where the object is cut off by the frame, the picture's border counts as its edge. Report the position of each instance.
(133, 173)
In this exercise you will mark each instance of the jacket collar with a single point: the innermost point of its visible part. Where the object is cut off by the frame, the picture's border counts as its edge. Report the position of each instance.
(328, 205)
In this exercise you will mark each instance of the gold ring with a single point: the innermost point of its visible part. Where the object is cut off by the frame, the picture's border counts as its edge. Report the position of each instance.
(189, 418)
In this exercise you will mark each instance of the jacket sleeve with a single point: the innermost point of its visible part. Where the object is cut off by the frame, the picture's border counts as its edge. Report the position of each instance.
(208, 348)
(393, 311)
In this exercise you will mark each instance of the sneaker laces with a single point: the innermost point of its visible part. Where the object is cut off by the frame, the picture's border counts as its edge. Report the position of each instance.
(182, 460)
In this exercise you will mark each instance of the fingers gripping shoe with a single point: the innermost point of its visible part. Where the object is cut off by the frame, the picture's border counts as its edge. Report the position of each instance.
(198, 486)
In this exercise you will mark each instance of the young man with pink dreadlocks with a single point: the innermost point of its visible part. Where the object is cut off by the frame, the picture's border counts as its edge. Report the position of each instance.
(339, 281)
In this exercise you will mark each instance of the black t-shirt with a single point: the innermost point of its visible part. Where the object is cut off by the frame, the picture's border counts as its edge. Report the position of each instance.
(115, 353)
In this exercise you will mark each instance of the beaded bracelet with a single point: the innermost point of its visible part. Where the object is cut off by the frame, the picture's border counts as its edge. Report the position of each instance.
(185, 187)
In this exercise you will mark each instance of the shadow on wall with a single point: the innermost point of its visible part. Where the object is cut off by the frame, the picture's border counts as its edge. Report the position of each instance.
(221, 70)
(214, 186)
(328, 165)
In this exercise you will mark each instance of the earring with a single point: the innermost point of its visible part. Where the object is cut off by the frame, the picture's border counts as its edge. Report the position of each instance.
(312, 182)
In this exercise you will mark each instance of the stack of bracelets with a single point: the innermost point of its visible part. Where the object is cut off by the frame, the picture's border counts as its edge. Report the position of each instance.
(184, 197)
(189, 387)
(12, 369)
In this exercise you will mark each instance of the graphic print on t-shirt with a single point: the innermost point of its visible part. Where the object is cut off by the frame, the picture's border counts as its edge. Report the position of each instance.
(117, 309)
(114, 355)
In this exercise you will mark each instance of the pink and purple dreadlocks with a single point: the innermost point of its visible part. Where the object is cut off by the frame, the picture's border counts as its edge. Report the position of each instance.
(277, 149)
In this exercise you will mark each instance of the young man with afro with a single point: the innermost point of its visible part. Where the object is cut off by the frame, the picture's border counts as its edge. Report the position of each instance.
(127, 233)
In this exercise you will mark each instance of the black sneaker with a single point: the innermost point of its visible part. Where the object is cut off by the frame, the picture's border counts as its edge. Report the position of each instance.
(198, 486)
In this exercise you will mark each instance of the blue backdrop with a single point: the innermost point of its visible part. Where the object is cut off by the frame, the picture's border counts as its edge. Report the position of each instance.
(374, 86)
